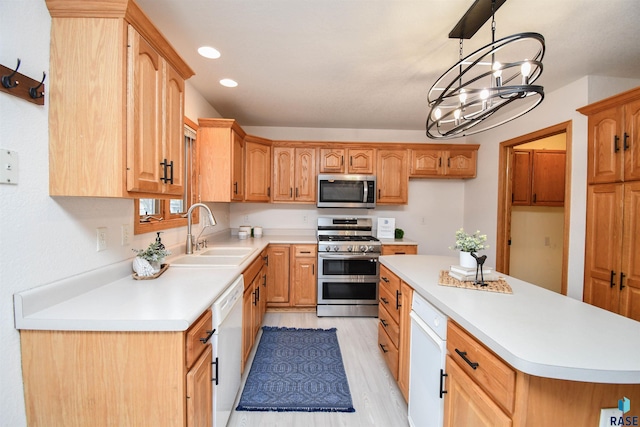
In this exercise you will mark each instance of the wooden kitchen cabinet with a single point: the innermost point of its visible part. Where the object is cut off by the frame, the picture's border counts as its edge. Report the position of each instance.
(278, 275)
(303, 276)
(614, 138)
(444, 161)
(294, 174)
(392, 177)
(404, 347)
(538, 177)
(253, 306)
(347, 160)
(115, 112)
(89, 378)
(221, 156)
(612, 263)
(257, 169)
(399, 249)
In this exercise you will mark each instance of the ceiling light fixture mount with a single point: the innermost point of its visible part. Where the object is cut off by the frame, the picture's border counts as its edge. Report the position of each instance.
(469, 97)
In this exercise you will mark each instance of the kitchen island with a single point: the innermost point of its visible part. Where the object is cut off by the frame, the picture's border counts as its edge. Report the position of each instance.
(565, 360)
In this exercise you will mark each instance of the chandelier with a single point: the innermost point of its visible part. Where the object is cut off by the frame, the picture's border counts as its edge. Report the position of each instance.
(489, 87)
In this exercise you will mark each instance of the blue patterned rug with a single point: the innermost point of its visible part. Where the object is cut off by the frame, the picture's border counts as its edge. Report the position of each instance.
(297, 370)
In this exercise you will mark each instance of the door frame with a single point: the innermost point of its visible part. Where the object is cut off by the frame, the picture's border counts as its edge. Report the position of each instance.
(504, 196)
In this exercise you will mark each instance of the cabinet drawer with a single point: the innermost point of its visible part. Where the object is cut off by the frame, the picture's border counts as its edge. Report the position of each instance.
(389, 351)
(492, 374)
(301, 251)
(399, 249)
(389, 280)
(201, 329)
(390, 325)
(389, 300)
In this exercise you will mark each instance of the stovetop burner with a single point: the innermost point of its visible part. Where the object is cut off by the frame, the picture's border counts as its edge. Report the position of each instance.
(337, 238)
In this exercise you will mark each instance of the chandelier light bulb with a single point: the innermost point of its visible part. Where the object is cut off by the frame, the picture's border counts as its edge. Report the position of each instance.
(456, 114)
(497, 69)
(463, 96)
(525, 68)
(484, 94)
(437, 113)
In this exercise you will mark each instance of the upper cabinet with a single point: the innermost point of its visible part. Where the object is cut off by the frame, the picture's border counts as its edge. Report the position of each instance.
(257, 168)
(221, 156)
(347, 160)
(614, 138)
(116, 103)
(392, 176)
(538, 177)
(294, 174)
(444, 161)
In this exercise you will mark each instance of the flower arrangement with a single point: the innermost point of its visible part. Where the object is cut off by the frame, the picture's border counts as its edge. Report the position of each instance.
(154, 253)
(470, 242)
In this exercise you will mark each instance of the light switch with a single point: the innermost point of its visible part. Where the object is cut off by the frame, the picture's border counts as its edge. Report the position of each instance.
(8, 166)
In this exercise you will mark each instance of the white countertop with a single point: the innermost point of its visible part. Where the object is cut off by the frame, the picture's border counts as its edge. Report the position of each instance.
(537, 331)
(109, 299)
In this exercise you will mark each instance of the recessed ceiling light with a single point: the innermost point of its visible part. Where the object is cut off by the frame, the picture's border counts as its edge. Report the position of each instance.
(209, 52)
(228, 83)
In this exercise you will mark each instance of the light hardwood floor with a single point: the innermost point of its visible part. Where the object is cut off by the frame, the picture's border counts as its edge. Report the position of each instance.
(376, 397)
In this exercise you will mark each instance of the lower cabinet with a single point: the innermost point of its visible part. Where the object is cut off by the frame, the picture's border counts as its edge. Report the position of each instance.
(292, 276)
(399, 250)
(88, 378)
(253, 304)
(483, 390)
(394, 329)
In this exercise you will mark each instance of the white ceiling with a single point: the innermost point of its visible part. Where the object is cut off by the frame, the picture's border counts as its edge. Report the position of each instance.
(369, 63)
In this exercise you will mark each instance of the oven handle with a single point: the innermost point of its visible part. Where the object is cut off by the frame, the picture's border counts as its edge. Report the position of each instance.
(374, 258)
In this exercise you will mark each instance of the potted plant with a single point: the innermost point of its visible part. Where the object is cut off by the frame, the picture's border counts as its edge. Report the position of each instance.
(149, 261)
(467, 243)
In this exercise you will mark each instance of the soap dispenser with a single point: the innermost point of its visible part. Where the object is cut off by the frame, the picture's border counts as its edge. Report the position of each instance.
(159, 241)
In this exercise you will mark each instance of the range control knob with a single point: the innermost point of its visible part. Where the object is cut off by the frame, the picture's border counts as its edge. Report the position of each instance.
(370, 248)
(363, 248)
(327, 248)
(335, 248)
(350, 248)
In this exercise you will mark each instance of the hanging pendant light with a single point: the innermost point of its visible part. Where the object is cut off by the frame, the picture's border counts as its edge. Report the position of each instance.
(489, 87)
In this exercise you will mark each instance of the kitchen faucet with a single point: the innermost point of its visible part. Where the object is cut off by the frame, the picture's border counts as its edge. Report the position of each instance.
(212, 221)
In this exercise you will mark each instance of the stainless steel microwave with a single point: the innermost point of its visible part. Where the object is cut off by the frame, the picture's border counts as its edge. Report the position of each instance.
(346, 191)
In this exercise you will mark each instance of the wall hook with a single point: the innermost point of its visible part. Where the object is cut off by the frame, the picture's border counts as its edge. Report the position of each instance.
(6, 80)
(33, 91)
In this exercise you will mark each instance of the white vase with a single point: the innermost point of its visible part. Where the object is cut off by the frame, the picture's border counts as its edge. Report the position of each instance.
(466, 260)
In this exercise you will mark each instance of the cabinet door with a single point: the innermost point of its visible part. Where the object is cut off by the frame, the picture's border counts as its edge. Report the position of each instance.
(331, 160)
(605, 160)
(304, 283)
(399, 249)
(256, 318)
(603, 245)
(200, 392)
(631, 141)
(630, 293)
(404, 350)
(392, 177)
(258, 172)
(237, 172)
(521, 181)
(426, 163)
(461, 163)
(174, 131)
(283, 173)
(144, 117)
(247, 323)
(547, 185)
(361, 161)
(466, 404)
(305, 175)
(278, 275)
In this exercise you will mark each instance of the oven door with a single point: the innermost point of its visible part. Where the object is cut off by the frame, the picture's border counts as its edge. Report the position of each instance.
(348, 267)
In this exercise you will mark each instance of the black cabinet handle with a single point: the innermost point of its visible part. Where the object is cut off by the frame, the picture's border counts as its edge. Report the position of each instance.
(384, 279)
(613, 276)
(439, 161)
(448, 162)
(255, 298)
(384, 323)
(268, 191)
(622, 276)
(463, 354)
(384, 300)
(442, 390)
(266, 260)
(290, 192)
(297, 192)
(398, 295)
(616, 143)
(171, 175)
(384, 350)
(535, 197)
(626, 141)
(216, 377)
(208, 337)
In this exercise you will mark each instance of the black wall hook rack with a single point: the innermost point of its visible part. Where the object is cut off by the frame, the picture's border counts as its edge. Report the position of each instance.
(17, 84)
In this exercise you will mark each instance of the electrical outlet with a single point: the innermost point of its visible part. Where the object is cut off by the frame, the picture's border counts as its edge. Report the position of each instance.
(101, 233)
(125, 234)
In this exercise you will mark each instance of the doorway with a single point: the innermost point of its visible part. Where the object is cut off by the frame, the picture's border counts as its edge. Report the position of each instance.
(532, 240)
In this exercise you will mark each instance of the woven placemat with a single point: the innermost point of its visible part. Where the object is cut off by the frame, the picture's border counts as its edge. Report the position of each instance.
(499, 285)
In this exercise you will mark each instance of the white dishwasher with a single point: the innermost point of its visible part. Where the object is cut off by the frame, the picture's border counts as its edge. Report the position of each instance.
(428, 353)
(227, 348)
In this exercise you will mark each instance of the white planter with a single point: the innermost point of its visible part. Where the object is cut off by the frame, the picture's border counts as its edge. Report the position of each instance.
(466, 260)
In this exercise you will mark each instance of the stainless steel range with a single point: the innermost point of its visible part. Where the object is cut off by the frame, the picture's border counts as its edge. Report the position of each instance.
(348, 268)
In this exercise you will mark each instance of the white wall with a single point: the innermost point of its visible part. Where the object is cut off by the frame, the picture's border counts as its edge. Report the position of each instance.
(43, 239)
